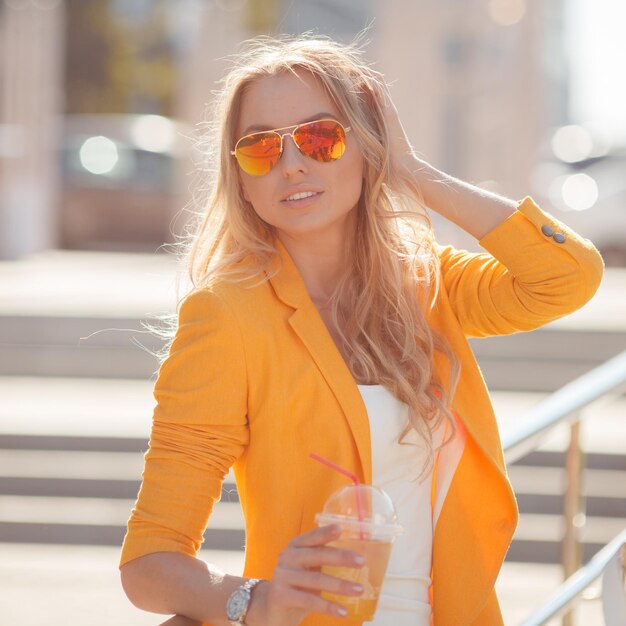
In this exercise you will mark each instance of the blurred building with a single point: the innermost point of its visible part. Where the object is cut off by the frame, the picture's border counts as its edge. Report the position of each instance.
(473, 88)
(479, 85)
(31, 98)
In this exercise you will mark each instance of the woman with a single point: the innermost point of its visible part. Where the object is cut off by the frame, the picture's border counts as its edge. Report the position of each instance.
(326, 319)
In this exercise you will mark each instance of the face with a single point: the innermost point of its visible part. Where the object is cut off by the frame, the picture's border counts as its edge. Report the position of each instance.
(285, 100)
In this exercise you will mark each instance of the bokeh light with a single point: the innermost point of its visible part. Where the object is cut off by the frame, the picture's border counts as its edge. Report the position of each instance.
(507, 12)
(574, 192)
(153, 133)
(580, 192)
(99, 155)
(572, 143)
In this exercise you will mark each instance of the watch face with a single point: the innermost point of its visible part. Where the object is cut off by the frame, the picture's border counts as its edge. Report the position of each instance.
(237, 604)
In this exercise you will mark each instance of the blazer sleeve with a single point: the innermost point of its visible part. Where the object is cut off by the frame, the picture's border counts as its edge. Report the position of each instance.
(199, 429)
(536, 270)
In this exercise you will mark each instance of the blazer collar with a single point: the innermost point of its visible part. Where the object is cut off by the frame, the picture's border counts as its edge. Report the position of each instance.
(306, 322)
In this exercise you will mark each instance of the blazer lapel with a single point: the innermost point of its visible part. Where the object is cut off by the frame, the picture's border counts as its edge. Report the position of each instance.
(309, 326)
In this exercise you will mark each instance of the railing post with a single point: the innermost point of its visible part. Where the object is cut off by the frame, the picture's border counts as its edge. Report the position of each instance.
(573, 510)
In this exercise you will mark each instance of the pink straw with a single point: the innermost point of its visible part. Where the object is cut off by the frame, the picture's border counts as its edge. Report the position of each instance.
(345, 472)
(353, 477)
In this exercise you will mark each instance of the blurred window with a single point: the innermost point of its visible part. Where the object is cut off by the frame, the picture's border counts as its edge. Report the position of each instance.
(97, 161)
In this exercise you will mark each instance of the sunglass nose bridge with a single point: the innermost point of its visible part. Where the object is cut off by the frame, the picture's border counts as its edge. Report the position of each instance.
(293, 139)
(294, 146)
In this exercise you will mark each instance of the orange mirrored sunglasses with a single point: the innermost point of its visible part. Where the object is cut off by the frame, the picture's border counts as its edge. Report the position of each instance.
(321, 140)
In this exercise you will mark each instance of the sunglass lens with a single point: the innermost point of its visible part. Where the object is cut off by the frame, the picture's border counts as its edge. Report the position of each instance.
(323, 141)
(257, 154)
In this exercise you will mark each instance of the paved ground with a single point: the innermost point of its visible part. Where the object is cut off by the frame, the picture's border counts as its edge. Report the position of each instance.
(76, 283)
(79, 586)
(123, 408)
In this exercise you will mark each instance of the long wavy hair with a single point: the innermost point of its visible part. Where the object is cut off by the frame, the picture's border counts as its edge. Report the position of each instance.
(381, 301)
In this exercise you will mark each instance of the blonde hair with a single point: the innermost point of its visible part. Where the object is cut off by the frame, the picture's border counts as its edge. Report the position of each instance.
(394, 274)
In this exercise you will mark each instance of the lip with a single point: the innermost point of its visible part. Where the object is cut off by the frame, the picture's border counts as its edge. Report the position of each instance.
(304, 202)
(294, 190)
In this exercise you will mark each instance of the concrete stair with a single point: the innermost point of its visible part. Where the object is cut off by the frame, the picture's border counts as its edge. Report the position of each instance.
(80, 491)
(93, 509)
(539, 481)
(75, 383)
(102, 347)
(79, 314)
(73, 480)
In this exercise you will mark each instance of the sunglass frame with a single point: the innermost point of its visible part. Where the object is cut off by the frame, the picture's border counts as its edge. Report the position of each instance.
(295, 127)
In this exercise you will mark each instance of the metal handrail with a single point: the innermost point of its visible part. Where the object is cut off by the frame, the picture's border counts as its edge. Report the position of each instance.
(574, 585)
(561, 406)
(564, 406)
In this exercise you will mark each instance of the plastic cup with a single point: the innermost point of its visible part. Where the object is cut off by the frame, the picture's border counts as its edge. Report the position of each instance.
(369, 526)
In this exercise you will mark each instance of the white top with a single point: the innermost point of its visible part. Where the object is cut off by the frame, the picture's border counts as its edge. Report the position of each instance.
(395, 468)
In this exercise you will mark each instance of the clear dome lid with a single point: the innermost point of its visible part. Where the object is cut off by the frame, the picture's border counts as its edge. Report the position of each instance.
(361, 508)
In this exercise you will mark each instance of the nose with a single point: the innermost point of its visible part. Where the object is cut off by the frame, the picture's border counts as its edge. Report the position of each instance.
(292, 160)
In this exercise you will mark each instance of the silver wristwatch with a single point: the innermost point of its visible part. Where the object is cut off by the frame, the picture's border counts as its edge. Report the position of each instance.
(239, 601)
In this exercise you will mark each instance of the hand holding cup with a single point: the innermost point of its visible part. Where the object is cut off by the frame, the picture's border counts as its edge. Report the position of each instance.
(298, 582)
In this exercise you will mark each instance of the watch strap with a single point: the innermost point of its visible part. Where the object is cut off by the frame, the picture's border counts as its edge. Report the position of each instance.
(248, 586)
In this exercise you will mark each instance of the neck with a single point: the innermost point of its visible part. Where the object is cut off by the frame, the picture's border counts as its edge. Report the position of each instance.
(321, 262)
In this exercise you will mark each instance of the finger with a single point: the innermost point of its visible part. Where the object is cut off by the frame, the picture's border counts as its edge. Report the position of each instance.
(317, 537)
(317, 556)
(293, 598)
(307, 579)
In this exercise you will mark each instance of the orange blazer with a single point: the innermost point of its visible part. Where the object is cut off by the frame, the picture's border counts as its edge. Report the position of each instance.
(253, 380)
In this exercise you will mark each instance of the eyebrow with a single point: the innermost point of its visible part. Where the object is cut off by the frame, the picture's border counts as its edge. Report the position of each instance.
(324, 115)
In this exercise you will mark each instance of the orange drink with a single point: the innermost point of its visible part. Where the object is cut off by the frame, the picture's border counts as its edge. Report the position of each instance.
(371, 575)
(369, 526)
